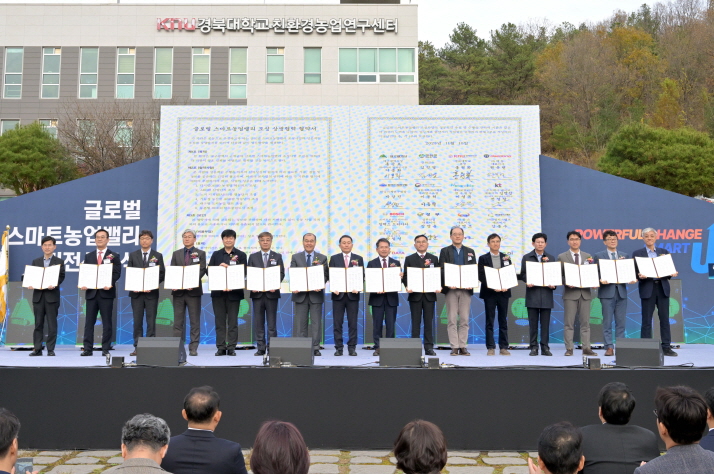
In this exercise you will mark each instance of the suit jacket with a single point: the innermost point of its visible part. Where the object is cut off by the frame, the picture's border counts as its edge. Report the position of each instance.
(617, 449)
(51, 296)
(646, 285)
(136, 259)
(707, 441)
(201, 452)
(486, 260)
(137, 466)
(683, 459)
(537, 296)
(414, 260)
(298, 261)
(91, 257)
(447, 256)
(220, 256)
(575, 293)
(274, 258)
(376, 299)
(177, 258)
(609, 290)
(338, 261)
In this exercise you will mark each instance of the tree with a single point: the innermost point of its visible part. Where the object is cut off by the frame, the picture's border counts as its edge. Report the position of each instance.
(675, 160)
(432, 74)
(31, 159)
(468, 82)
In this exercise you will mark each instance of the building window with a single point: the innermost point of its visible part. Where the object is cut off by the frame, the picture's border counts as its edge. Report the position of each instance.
(51, 72)
(88, 69)
(156, 133)
(87, 131)
(123, 133)
(163, 72)
(313, 65)
(201, 73)
(126, 64)
(276, 65)
(238, 73)
(50, 125)
(377, 65)
(13, 73)
(6, 125)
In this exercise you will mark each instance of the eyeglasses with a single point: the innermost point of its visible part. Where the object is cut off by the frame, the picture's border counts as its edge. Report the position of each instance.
(655, 413)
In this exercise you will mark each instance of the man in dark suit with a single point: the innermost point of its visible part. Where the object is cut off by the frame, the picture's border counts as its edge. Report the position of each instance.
(613, 296)
(308, 304)
(383, 305)
(494, 299)
(226, 304)
(654, 292)
(458, 300)
(422, 303)
(539, 299)
(45, 303)
(101, 301)
(265, 303)
(145, 301)
(188, 299)
(613, 446)
(198, 450)
(345, 302)
(707, 441)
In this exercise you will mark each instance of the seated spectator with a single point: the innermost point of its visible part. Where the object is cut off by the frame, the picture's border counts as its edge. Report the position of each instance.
(9, 430)
(707, 442)
(420, 448)
(198, 450)
(681, 418)
(279, 449)
(559, 450)
(144, 441)
(613, 446)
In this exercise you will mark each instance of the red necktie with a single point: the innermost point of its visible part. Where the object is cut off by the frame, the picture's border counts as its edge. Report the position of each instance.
(99, 257)
(384, 263)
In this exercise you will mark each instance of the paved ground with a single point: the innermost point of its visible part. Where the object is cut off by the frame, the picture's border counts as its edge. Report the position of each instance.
(322, 462)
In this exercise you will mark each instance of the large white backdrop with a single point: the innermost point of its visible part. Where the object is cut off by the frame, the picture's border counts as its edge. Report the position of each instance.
(370, 172)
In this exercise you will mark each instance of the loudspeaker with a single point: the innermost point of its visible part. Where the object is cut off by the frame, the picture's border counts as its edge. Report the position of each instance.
(400, 352)
(292, 350)
(159, 351)
(117, 362)
(639, 353)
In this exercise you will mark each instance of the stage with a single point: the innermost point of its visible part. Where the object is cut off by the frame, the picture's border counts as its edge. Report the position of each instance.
(485, 403)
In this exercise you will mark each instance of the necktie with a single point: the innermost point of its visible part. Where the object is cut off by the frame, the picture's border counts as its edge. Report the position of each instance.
(613, 256)
(384, 263)
(422, 257)
(577, 259)
(265, 260)
(539, 257)
(309, 260)
(347, 262)
(99, 257)
(145, 261)
(186, 260)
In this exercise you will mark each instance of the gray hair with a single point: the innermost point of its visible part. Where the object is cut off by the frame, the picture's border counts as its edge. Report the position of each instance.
(456, 227)
(189, 231)
(648, 229)
(145, 430)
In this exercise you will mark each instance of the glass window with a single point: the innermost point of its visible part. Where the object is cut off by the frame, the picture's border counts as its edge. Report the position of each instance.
(276, 65)
(163, 72)
(123, 133)
(50, 125)
(406, 60)
(6, 125)
(201, 73)
(50, 73)
(367, 60)
(238, 73)
(387, 60)
(313, 65)
(126, 67)
(348, 60)
(377, 65)
(88, 69)
(87, 131)
(13, 73)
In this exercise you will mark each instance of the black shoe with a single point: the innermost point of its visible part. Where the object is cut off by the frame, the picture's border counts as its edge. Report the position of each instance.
(221, 352)
(50, 353)
(338, 352)
(534, 352)
(546, 352)
(231, 352)
(35, 353)
(376, 352)
(317, 353)
(455, 352)
(259, 353)
(106, 353)
(86, 353)
(430, 352)
(352, 352)
(193, 352)
(669, 352)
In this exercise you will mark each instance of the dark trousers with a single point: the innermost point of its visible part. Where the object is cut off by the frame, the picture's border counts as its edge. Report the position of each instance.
(542, 316)
(383, 315)
(339, 308)
(648, 306)
(193, 305)
(226, 312)
(45, 311)
(497, 302)
(105, 307)
(426, 308)
(264, 309)
(140, 305)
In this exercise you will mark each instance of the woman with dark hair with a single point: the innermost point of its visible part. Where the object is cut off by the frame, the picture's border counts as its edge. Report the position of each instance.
(420, 448)
(279, 448)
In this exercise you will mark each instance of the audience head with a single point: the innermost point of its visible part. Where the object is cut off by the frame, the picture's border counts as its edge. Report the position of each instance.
(420, 448)
(616, 403)
(9, 430)
(201, 406)
(145, 436)
(709, 398)
(681, 414)
(279, 448)
(560, 449)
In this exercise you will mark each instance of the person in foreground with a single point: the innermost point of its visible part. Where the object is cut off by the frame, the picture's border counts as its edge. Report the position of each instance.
(197, 450)
(9, 429)
(708, 440)
(420, 448)
(559, 450)
(279, 448)
(681, 418)
(613, 446)
(144, 441)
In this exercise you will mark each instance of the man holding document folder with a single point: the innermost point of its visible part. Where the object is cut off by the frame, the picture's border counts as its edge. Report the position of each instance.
(383, 303)
(539, 298)
(421, 301)
(346, 302)
(45, 301)
(308, 304)
(495, 298)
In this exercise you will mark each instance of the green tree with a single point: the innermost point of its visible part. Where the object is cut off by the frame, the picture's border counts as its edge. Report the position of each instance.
(432, 74)
(31, 159)
(675, 160)
(468, 82)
